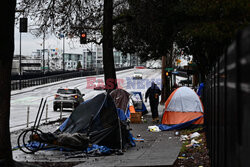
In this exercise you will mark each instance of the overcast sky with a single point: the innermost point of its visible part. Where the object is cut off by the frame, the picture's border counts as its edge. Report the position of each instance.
(31, 43)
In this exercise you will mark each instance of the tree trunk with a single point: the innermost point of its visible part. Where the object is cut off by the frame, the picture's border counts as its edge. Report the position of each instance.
(108, 58)
(7, 50)
(163, 79)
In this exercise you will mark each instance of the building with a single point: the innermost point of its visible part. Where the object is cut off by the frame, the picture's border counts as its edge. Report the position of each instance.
(93, 58)
(28, 63)
(71, 60)
(52, 60)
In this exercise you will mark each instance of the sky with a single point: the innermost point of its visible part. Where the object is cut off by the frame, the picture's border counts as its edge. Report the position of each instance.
(30, 43)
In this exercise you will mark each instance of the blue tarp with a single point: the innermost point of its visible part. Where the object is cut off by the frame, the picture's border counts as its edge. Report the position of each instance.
(200, 89)
(99, 149)
(144, 109)
(177, 126)
(128, 112)
(121, 114)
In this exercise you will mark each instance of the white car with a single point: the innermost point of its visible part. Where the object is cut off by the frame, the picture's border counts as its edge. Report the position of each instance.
(137, 75)
(67, 98)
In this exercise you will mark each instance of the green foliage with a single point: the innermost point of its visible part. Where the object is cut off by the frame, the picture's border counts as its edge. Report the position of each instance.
(202, 28)
(209, 26)
(150, 31)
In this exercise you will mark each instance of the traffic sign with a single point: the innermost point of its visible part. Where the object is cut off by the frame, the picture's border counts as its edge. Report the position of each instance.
(169, 69)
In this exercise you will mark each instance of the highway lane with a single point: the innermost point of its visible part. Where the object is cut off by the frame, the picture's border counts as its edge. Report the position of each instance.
(31, 97)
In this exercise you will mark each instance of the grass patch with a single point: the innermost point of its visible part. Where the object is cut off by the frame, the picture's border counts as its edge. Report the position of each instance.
(183, 147)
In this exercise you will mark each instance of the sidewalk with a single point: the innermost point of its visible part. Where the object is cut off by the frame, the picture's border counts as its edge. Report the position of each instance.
(158, 149)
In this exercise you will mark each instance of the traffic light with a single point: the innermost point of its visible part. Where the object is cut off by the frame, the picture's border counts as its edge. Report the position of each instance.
(168, 73)
(23, 25)
(83, 38)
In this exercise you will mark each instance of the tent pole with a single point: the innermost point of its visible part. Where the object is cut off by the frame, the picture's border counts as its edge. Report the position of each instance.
(119, 123)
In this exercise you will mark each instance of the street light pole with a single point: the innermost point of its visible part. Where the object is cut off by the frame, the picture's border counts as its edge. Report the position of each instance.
(43, 53)
(20, 62)
(63, 52)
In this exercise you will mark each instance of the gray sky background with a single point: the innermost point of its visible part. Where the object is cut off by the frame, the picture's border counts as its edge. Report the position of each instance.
(31, 43)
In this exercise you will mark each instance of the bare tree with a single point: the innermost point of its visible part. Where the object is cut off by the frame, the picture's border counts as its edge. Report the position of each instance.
(7, 51)
(73, 16)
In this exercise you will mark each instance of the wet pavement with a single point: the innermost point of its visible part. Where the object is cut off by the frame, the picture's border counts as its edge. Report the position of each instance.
(157, 149)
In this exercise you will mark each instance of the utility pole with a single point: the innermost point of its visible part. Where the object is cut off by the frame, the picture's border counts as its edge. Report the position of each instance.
(63, 52)
(43, 52)
(20, 62)
(91, 57)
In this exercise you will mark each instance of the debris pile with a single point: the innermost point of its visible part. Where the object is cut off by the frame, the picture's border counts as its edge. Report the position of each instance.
(193, 151)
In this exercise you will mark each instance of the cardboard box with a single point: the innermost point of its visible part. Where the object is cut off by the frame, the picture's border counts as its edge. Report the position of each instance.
(135, 117)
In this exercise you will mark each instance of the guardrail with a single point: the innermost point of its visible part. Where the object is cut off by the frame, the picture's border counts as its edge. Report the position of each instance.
(24, 83)
(227, 105)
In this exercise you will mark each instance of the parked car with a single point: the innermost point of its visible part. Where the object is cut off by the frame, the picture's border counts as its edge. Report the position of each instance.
(67, 98)
(137, 75)
(99, 85)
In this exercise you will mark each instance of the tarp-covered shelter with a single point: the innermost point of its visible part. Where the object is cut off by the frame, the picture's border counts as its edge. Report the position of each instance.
(104, 129)
(183, 105)
(123, 101)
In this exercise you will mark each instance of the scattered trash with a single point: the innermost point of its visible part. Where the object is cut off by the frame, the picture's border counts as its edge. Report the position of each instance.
(182, 158)
(138, 139)
(177, 133)
(170, 138)
(200, 140)
(193, 141)
(193, 144)
(184, 137)
(193, 135)
(154, 128)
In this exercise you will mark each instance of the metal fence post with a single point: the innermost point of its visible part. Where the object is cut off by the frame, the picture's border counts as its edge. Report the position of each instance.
(46, 115)
(28, 113)
(61, 110)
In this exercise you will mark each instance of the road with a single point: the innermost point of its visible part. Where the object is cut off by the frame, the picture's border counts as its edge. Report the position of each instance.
(31, 97)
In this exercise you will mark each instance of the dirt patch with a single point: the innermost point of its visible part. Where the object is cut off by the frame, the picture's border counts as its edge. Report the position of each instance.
(193, 156)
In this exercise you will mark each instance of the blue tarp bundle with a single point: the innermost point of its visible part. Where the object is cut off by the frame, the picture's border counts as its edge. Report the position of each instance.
(103, 150)
(121, 114)
(100, 150)
(177, 126)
